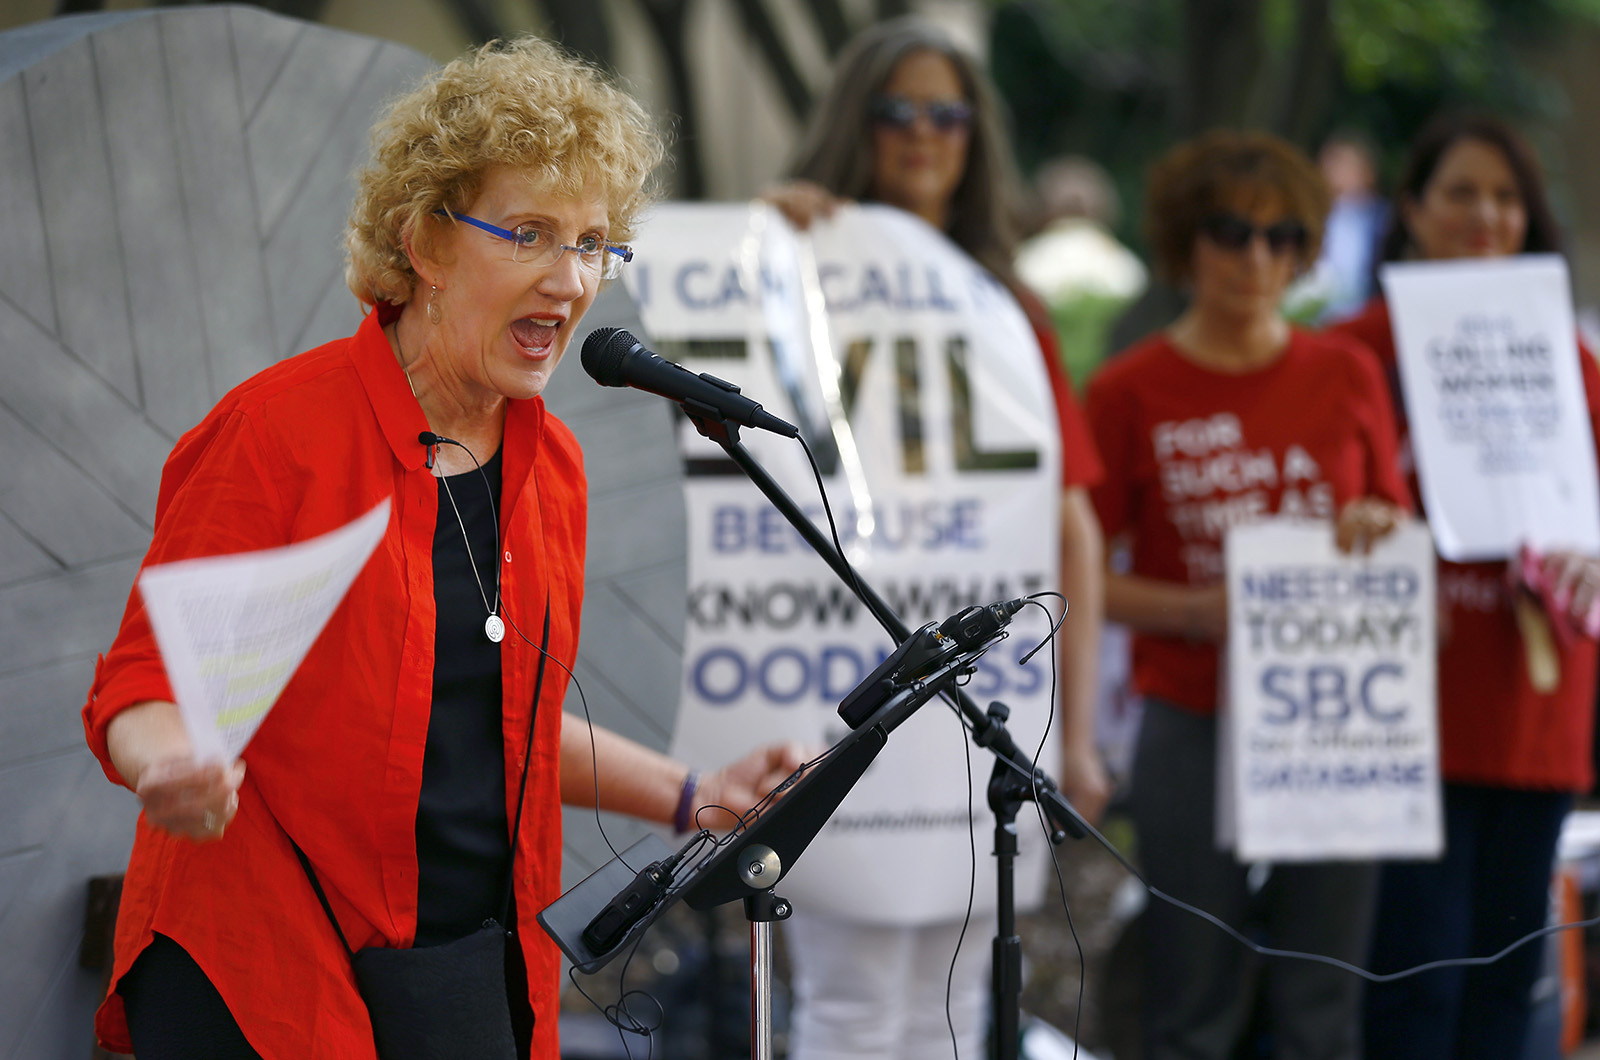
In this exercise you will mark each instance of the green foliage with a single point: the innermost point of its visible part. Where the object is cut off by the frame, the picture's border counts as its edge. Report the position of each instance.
(1083, 330)
(1103, 77)
(1414, 42)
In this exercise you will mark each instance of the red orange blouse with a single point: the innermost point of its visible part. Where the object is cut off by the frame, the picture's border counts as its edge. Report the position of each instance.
(300, 449)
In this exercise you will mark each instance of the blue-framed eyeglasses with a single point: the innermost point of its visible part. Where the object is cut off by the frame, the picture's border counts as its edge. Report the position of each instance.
(533, 245)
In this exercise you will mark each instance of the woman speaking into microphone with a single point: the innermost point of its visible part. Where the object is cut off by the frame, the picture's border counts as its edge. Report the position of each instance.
(404, 792)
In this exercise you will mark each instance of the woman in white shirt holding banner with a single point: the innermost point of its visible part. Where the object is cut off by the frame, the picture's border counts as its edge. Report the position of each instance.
(911, 121)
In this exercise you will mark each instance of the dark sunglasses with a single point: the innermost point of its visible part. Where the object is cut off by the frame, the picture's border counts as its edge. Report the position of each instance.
(898, 112)
(1232, 232)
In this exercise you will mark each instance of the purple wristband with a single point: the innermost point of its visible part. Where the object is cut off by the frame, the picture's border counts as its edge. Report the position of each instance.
(680, 819)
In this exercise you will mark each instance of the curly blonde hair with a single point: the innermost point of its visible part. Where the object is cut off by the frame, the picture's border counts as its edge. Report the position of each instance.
(524, 104)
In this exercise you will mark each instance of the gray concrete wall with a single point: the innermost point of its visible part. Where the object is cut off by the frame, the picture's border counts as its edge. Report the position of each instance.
(172, 190)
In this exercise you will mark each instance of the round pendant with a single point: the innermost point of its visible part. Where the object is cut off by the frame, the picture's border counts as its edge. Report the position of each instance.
(495, 628)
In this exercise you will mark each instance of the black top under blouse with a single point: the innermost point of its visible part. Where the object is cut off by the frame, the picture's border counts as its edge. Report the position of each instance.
(463, 834)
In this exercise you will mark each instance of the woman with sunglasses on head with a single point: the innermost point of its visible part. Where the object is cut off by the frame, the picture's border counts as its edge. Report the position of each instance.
(405, 789)
(1229, 415)
(1512, 754)
(910, 121)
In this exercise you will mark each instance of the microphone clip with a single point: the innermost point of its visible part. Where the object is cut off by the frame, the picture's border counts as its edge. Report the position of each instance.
(431, 443)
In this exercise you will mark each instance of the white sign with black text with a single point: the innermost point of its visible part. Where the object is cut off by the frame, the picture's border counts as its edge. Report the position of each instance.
(921, 388)
(1331, 747)
(1494, 395)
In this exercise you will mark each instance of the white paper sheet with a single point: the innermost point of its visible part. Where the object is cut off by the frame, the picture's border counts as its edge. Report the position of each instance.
(233, 629)
(1494, 394)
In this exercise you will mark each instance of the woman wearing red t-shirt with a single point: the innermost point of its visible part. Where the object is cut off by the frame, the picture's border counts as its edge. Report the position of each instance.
(1228, 416)
(1512, 755)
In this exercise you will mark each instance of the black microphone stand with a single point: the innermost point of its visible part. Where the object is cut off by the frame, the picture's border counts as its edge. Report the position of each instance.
(1010, 785)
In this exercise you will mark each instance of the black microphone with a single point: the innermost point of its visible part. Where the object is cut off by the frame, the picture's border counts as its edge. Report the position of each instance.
(631, 904)
(615, 358)
(923, 653)
(431, 442)
(975, 626)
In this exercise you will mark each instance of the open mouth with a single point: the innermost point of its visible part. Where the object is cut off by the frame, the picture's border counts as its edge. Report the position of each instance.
(535, 334)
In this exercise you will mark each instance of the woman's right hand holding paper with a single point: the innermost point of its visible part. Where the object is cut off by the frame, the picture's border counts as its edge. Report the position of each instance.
(181, 794)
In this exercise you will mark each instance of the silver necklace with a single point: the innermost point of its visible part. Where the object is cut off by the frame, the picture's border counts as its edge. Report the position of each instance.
(493, 627)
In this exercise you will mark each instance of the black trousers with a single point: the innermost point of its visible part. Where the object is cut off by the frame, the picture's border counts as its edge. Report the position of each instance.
(174, 1013)
(1199, 984)
(1491, 888)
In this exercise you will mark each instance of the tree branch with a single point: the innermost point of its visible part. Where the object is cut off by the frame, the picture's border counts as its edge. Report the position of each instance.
(477, 19)
(758, 24)
(669, 20)
(831, 23)
(1222, 51)
(1310, 79)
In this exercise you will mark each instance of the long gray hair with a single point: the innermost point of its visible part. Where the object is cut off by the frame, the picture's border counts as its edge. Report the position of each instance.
(837, 151)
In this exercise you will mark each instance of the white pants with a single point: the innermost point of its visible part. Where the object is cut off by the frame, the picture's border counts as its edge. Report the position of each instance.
(875, 992)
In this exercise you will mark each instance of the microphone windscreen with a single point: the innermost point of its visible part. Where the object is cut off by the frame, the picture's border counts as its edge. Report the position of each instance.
(603, 352)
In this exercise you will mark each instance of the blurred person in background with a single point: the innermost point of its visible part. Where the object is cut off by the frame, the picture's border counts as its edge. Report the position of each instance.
(1232, 217)
(912, 122)
(1512, 754)
(1074, 263)
(1342, 277)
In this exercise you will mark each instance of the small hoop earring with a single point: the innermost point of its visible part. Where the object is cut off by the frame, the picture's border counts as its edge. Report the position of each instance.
(435, 315)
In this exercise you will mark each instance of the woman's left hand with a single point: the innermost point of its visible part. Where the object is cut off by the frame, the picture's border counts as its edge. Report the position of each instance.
(723, 795)
(1363, 521)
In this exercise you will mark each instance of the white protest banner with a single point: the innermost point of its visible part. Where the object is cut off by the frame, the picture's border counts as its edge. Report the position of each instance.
(923, 392)
(1494, 394)
(1332, 749)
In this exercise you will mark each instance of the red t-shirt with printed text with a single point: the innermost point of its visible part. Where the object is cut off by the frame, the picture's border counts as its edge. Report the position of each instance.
(1494, 728)
(1190, 451)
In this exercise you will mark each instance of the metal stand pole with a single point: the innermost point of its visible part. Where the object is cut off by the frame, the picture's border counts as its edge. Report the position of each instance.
(1010, 785)
(1006, 973)
(761, 910)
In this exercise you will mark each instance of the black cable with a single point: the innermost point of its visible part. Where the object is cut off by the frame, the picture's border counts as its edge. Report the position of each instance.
(617, 1014)
(505, 608)
(588, 720)
(1038, 807)
(855, 580)
(972, 890)
(1269, 951)
(743, 820)
(966, 746)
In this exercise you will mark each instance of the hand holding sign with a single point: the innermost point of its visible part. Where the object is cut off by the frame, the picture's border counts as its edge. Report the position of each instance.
(1567, 584)
(1365, 521)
